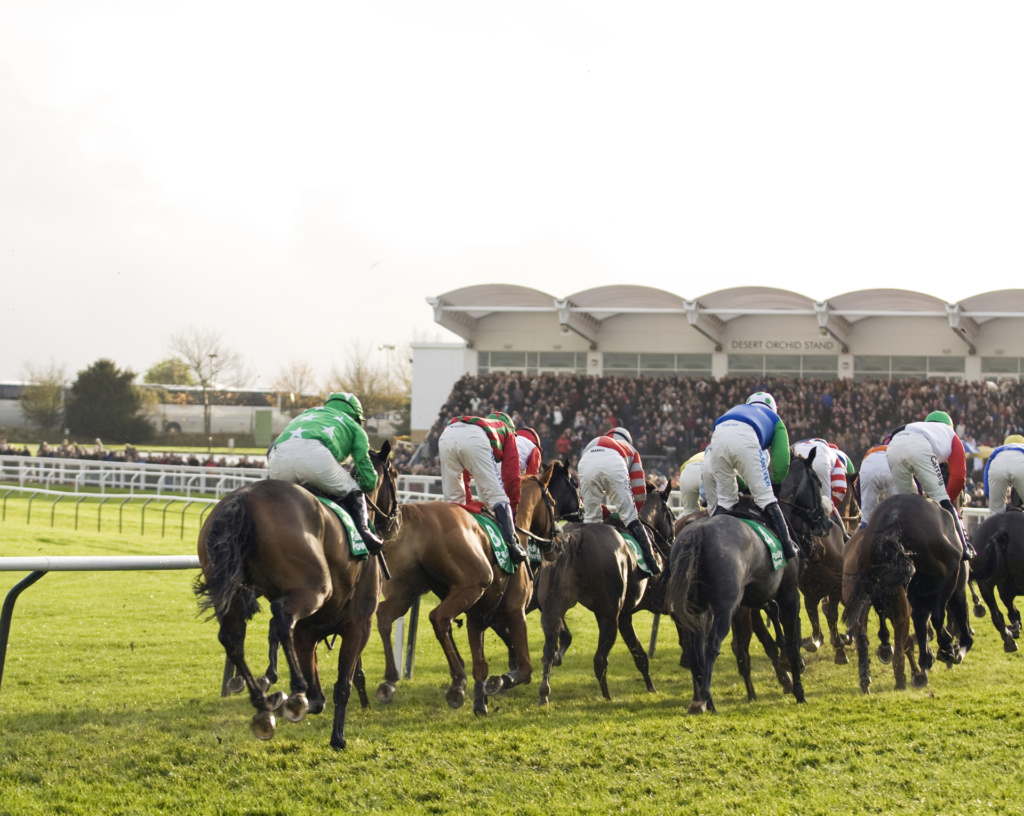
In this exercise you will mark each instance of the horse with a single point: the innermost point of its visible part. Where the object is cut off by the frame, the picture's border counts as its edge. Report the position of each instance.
(596, 568)
(719, 565)
(277, 540)
(906, 564)
(999, 566)
(438, 546)
(821, 583)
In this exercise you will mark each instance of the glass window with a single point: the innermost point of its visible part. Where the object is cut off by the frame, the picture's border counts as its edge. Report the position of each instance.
(619, 362)
(658, 362)
(746, 362)
(508, 359)
(946, 365)
(999, 365)
(917, 366)
(871, 364)
(700, 363)
(782, 363)
(557, 359)
(823, 363)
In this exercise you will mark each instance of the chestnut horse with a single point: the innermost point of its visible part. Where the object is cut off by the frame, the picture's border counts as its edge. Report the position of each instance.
(440, 547)
(275, 539)
(595, 567)
(907, 565)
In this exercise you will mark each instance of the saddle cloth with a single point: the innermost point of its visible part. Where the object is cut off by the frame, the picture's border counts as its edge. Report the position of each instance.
(355, 541)
(490, 526)
(770, 540)
(614, 520)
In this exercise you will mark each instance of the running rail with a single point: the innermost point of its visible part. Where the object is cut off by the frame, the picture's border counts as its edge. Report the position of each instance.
(38, 566)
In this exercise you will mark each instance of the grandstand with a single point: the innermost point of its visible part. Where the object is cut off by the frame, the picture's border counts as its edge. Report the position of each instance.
(759, 332)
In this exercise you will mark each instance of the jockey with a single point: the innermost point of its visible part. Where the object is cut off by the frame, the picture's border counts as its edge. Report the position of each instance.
(690, 484)
(612, 473)
(312, 447)
(917, 450)
(1004, 471)
(833, 469)
(874, 481)
(748, 440)
(528, 444)
(484, 449)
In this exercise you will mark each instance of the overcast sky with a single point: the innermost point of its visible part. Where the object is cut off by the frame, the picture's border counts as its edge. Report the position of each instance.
(299, 175)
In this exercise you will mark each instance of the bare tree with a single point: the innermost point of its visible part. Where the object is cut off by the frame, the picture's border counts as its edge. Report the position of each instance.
(42, 400)
(367, 375)
(208, 358)
(296, 384)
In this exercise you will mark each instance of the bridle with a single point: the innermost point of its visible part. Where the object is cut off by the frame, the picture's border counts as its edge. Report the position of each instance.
(814, 518)
(383, 519)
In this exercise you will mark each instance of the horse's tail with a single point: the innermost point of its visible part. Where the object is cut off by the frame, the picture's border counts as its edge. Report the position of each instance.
(680, 600)
(231, 539)
(990, 558)
(889, 566)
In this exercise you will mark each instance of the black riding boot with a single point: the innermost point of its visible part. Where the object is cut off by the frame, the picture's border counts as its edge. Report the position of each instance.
(639, 532)
(355, 503)
(967, 550)
(503, 513)
(778, 522)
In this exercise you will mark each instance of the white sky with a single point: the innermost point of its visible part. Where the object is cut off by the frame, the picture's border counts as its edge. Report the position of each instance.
(299, 175)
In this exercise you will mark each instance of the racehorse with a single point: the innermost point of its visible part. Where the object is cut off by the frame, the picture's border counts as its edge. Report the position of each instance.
(821, 583)
(719, 565)
(906, 563)
(596, 568)
(999, 565)
(277, 540)
(440, 547)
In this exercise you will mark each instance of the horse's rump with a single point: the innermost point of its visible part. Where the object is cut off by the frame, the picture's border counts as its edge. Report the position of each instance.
(681, 599)
(229, 540)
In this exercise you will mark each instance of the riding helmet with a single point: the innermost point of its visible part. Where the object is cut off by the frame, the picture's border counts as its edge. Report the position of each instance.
(534, 437)
(763, 398)
(346, 403)
(939, 416)
(501, 416)
(620, 433)
(1014, 439)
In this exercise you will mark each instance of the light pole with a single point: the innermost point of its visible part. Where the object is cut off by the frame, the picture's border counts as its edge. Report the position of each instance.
(207, 419)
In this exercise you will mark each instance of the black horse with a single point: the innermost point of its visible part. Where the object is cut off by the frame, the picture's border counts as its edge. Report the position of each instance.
(720, 564)
(999, 566)
(907, 565)
(596, 568)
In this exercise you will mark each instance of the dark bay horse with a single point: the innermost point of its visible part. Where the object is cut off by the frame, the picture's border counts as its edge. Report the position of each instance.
(439, 547)
(821, 584)
(596, 568)
(999, 567)
(719, 565)
(906, 563)
(275, 539)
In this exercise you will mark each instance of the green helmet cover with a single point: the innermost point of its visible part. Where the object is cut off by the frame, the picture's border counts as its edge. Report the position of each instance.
(939, 416)
(346, 403)
(501, 416)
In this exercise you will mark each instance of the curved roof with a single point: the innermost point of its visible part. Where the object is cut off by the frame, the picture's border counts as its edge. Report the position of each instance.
(494, 297)
(606, 301)
(989, 305)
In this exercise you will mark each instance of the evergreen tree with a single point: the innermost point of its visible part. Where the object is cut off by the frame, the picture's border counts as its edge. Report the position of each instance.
(104, 403)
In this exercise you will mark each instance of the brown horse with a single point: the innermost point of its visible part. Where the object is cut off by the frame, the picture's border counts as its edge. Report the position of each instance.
(437, 546)
(596, 568)
(999, 566)
(821, 583)
(275, 539)
(906, 563)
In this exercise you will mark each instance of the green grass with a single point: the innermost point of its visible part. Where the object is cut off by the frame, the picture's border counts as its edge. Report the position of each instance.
(110, 704)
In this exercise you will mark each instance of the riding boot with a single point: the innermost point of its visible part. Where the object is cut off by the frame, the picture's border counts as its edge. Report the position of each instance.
(967, 550)
(639, 532)
(778, 523)
(503, 513)
(355, 503)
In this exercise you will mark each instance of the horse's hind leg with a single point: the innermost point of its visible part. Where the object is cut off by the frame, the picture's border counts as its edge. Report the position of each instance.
(390, 610)
(359, 681)
(606, 634)
(770, 645)
(742, 630)
(830, 607)
(788, 599)
(632, 642)
(813, 643)
(552, 617)
(455, 602)
(232, 638)
(475, 632)
(353, 641)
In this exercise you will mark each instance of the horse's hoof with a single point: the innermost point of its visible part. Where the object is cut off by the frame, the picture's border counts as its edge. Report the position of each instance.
(495, 685)
(811, 644)
(385, 693)
(885, 654)
(480, 709)
(841, 658)
(234, 685)
(338, 744)
(275, 700)
(263, 724)
(557, 661)
(1015, 630)
(698, 707)
(1009, 645)
(787, 683)
(318, 706)
(263, 683)
(865, 686)
(919, 680)
(979, 610)
(296, 707)
(455, 697)
(799, 694)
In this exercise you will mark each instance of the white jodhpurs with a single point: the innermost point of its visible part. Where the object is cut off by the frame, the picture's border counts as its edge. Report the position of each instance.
(604, 479)
(306, 461)
(910, 457)
(735, 449)
(464, 446)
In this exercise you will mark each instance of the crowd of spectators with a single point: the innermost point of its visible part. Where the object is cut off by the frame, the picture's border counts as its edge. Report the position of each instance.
(670, 419)
(130, 453)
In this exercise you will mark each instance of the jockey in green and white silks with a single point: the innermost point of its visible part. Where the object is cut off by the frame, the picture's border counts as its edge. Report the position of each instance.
(312, 447)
